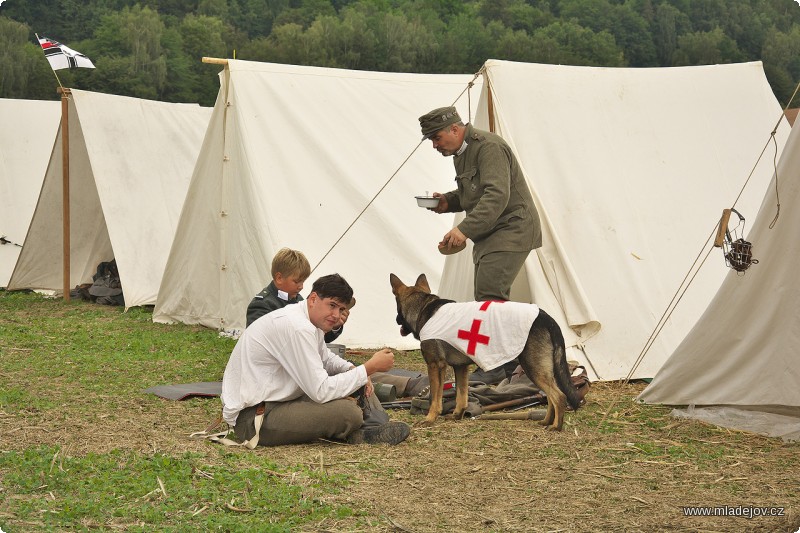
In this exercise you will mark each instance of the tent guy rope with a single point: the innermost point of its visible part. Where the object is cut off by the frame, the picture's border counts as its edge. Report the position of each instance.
(466, 90)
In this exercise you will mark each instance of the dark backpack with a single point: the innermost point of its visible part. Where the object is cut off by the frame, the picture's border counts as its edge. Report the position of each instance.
(107, 288)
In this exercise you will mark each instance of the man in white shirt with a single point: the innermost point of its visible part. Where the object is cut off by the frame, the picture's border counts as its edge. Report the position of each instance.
(282, 368)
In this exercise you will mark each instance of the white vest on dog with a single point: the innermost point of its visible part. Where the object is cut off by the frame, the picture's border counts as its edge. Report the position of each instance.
(491, 333)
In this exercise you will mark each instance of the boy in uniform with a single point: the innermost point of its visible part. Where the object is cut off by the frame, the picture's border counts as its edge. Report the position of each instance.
(290, 269)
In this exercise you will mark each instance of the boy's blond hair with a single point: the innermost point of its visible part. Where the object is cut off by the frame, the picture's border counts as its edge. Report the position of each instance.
(291, 263)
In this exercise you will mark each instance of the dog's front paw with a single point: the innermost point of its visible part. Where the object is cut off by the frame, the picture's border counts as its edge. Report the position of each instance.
(426, 422)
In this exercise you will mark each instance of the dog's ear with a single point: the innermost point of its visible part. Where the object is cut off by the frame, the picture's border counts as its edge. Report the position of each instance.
(396, 283)
(422, 283)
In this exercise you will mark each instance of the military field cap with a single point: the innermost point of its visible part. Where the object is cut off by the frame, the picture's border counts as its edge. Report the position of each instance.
(438, 119)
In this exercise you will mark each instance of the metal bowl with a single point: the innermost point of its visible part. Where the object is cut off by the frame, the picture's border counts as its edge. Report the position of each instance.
(427, 201)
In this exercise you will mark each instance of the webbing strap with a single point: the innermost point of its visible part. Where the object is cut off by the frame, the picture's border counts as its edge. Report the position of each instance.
(221, 436)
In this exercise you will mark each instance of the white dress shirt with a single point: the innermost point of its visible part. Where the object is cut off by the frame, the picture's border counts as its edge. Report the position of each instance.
(282, 356)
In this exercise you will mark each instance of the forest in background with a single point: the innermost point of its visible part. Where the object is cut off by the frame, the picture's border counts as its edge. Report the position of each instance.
(153, 48)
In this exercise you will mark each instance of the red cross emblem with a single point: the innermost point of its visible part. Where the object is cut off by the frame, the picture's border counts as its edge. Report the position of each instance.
(473, 337)
(485, 305)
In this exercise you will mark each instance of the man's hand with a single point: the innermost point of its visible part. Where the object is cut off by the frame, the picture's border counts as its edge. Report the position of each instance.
(443, 204)
(453, 238)
(344, 315)
(381, 361)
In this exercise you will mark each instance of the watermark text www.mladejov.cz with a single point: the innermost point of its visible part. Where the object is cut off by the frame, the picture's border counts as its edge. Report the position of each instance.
(744, 511)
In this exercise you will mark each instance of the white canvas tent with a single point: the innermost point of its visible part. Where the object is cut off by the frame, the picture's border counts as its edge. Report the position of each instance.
(130, 165)
(293, 156)
(743, 354)
(26, 140)
(630, 169)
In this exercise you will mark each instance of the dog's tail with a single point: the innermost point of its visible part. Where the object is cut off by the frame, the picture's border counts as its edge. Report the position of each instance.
(560, 366)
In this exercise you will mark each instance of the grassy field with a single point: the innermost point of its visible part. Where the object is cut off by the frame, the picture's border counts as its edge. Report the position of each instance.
(82, 447)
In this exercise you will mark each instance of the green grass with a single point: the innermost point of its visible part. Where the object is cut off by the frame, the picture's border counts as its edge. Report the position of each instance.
(61, 362)
(87, 341)
(125, 489)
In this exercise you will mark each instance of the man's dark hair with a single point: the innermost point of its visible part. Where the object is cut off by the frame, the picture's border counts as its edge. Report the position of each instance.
(333, 286)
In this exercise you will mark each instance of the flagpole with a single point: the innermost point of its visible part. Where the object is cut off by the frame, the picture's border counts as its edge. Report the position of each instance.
(65, 94)
(60, 56)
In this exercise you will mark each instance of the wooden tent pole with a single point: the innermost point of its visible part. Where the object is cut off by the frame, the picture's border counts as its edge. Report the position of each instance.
(65, 94)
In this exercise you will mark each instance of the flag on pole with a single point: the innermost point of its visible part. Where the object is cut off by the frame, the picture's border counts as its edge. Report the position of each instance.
(60, 56)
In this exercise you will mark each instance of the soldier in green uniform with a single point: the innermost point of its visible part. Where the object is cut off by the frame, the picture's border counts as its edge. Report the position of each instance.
(501, 218)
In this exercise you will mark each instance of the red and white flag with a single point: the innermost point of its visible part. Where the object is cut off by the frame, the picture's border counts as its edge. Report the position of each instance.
(61, 56)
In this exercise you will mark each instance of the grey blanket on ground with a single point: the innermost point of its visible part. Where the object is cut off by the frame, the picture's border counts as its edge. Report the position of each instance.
(187, 390)
(184, 391)
(480, 394)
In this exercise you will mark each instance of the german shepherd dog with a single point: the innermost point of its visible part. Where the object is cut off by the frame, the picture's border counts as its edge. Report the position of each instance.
(543, 357)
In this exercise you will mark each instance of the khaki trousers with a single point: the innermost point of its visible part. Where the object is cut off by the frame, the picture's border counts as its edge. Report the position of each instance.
(494, 274)
(300, 421)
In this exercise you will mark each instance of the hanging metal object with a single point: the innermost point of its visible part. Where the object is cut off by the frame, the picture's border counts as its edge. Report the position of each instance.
(737, 251)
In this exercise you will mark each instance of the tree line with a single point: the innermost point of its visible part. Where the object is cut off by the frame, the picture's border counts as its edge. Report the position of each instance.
(153, 48)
